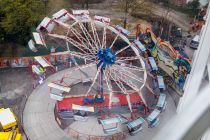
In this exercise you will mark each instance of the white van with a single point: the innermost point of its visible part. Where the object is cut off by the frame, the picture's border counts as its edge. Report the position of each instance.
(195, 42)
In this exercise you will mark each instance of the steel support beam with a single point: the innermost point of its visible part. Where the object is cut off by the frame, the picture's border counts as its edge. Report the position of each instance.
(195, 77)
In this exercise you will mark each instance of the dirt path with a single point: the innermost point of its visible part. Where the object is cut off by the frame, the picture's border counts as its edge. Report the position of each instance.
(15, 86)
(112, 11)
(180, 19)
(56, 5)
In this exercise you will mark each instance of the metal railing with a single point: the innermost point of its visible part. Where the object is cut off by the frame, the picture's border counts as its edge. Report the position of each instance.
(77, 135)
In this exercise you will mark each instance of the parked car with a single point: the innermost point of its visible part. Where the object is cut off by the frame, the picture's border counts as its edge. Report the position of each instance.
(195, 42)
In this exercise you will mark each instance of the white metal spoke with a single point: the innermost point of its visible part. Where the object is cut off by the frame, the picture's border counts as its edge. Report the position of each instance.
(122, 88)
(130, 84)
(73, 42)
(124, 48)
(70, 28)
(109, 89)
(131, 67)
(67, 44)
(104, 38)
(114, 40)
(74, 31)
(82, 67)
(79, 37)
(117, 81)
(95, 34)
(78, 68)
(84, 28)
(94, 79)
(64, 24)
(87, 36)
(127, 58)
(78, 45)
(125, 76)
(129, 102)
(85, 57)
(128, 73)
(81, 25)
(85, 66)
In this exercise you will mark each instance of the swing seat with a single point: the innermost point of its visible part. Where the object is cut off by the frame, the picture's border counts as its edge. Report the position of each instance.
(154, 123)
(135, 126)
(80, 117)
(132, 133)
(153, 64)
(110, 130)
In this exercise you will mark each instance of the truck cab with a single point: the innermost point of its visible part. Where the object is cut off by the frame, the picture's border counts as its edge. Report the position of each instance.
(8, 125)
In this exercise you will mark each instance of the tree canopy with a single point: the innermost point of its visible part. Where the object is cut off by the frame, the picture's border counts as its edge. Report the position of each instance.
(17, 17)
(193, 6)
(133, 6)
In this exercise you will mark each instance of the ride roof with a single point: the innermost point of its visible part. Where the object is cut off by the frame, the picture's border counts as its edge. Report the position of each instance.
(7, 118)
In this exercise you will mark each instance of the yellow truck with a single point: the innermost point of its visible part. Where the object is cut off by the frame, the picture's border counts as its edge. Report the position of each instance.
(8, 125)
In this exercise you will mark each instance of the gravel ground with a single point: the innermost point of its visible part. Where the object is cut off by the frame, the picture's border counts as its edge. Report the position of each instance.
(15, 87)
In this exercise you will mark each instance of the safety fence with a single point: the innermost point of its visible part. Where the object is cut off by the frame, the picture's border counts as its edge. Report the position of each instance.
(55, 59)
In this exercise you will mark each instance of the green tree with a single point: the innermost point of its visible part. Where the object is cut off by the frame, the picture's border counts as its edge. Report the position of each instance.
(132, 6)
(193, 6)
(17, 17)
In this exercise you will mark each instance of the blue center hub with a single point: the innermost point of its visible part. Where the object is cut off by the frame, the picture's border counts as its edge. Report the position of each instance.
(106, 56)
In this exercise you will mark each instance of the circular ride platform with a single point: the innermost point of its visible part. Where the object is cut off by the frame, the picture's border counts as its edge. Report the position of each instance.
(111, 60)
(40, 124)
